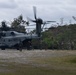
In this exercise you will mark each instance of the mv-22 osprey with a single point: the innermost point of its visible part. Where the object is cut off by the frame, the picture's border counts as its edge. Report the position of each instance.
(13, 39)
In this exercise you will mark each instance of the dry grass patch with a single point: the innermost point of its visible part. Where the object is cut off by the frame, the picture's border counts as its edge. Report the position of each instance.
(53, 63)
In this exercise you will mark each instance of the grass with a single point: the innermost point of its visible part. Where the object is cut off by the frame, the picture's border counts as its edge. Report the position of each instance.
(65, 65)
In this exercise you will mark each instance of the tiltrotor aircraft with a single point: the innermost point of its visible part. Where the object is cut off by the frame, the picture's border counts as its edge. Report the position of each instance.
(13, 39)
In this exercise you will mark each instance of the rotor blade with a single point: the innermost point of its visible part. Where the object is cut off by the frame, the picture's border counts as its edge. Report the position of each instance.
(30, 28)
(45, 29)
(33, 25)
(74, 18)
(46, 23)
(43, 25)
(50, 21)
(34, 9)
(31, 20)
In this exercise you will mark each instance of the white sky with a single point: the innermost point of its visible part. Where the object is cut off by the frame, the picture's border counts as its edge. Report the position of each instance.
(46, 9)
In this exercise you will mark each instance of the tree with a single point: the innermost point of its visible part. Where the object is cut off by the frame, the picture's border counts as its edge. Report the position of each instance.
(4, 26)
(18, 24)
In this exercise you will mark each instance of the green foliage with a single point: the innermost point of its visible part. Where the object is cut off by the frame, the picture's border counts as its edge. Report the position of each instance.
(61, 37)
(17, 24)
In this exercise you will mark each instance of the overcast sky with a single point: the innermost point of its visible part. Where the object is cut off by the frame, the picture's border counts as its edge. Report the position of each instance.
(46, 9)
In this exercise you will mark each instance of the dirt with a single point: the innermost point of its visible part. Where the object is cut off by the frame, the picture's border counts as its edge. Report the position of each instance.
(25, 55)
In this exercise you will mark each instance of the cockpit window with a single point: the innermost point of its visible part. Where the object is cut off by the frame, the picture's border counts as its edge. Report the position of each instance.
(2, 34)
(12, 33)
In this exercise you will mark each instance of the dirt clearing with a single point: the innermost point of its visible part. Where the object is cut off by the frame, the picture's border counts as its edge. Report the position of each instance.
(38, 62)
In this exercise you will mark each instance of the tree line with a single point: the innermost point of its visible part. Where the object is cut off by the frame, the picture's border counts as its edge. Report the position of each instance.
(61, 37)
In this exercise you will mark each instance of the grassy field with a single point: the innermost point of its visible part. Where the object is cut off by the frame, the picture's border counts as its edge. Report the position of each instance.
(38, 62)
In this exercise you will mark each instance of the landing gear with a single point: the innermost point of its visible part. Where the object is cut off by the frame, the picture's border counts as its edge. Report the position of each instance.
(18, 46)
(29, 45)
(2, 48)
